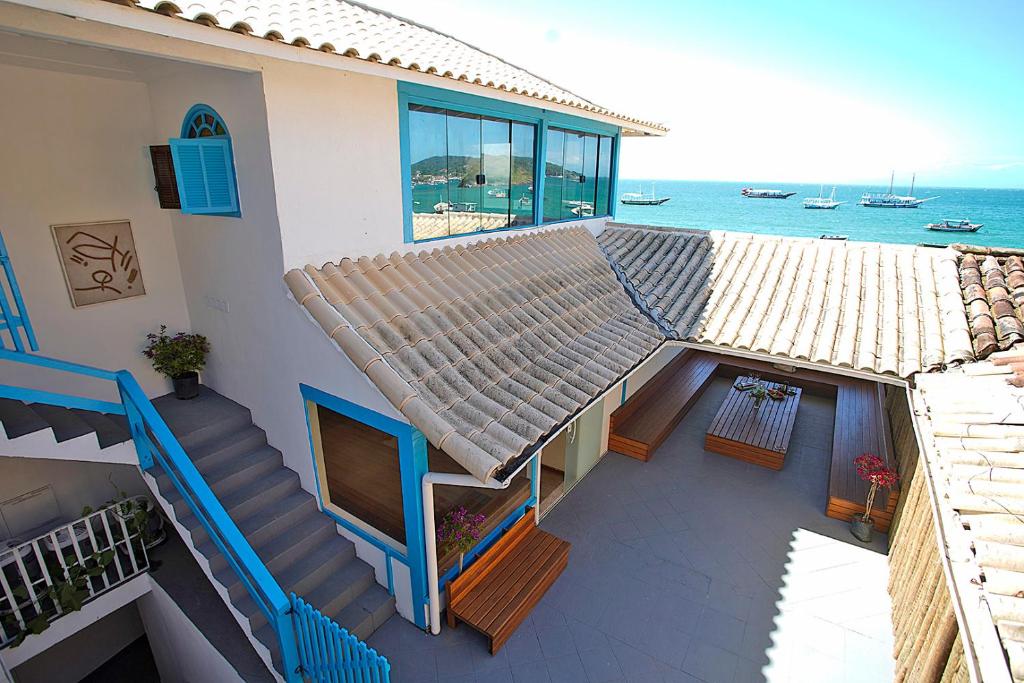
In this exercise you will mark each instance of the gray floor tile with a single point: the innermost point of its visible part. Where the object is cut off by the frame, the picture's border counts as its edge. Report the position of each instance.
(567, 669)
(532, 672)
(601, 665)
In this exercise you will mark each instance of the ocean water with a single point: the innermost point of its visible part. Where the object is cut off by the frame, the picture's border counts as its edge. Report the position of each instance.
(719, 206)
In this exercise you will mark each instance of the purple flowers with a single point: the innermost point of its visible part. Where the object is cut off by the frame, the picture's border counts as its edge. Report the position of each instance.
(459, 530)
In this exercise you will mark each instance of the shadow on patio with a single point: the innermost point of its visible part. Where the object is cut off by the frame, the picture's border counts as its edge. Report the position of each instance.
(692, 566)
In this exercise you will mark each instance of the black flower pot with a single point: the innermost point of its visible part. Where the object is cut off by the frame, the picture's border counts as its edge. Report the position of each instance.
(186, 386)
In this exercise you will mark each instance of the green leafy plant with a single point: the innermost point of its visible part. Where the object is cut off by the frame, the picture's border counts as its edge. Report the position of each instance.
(134, 510)
(68, 593)
(178, 355)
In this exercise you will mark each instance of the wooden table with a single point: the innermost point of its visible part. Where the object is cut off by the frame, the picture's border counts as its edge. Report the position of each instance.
(759, 436)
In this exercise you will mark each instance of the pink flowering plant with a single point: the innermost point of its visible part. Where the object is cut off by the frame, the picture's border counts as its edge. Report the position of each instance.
(873, 470)
(459, 531)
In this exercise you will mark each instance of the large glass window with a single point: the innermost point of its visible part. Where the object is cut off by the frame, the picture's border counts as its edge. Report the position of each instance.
(469, 173)
(577, 171)
(524, 140)
(553, 175)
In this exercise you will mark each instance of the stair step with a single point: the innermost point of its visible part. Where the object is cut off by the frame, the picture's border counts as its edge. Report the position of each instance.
(323, 566)
(245, 501)
(215, 452)
(65, 423)
(259, 527)
(367, 612)
(233, 474)
(110, 429)
(281, 550)
(203, 419)
(18, 419)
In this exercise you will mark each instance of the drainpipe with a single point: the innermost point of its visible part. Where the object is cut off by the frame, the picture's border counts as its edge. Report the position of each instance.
(430, 533)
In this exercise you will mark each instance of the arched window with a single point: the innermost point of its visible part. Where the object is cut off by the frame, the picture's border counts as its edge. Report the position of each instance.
(204, 165)
(202, 121)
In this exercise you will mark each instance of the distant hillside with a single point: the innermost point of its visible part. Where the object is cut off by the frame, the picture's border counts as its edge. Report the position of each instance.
(467, 168)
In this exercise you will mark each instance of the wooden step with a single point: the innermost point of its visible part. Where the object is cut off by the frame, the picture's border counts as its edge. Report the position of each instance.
(496, 593)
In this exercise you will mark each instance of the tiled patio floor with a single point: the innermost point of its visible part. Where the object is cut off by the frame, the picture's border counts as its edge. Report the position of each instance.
(691, 567)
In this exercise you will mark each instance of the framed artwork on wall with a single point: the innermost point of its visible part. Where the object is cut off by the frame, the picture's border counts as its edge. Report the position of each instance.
(99, 261)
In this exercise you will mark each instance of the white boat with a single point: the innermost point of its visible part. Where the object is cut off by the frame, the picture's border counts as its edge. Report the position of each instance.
(888, 200)
(498, 193)
(756, 193)
(584, 210)
(951, 225)
(834, 237)
(821, 202)
(641, 199)
(444, 207)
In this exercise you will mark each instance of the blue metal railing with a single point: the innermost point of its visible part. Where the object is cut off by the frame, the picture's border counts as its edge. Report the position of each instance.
(13, 316)
(326, 652)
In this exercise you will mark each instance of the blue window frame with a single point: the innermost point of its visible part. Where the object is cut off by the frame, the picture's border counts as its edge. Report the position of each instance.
(412, 457)
(472, 164)
(204, 165)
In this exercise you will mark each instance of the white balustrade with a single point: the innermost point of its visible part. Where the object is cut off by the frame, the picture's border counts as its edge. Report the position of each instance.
(89, 556)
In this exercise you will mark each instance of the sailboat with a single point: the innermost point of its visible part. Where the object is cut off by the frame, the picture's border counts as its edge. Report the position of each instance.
(888, 200)
(641, 199)
(821, 202)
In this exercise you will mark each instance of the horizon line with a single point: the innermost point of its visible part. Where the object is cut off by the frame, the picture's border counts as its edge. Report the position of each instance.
(751, 183)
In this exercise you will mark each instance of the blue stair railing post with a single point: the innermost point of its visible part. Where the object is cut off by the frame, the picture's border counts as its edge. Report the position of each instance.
(137, 428)
(11, 321)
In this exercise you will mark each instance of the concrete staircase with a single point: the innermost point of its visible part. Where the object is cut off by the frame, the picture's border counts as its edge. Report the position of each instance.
(299, 545)
(22, 419)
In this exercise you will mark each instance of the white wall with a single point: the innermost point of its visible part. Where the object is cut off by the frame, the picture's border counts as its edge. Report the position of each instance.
(74, 484)
(80, 653)
(264, 344)
(182, 652)
(76, 150)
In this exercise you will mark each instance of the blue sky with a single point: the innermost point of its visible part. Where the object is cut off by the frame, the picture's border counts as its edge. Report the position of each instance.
(834, 92)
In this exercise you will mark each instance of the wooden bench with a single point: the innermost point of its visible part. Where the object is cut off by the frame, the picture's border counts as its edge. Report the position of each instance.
(495, 593)
(640, 425)
(861, 426)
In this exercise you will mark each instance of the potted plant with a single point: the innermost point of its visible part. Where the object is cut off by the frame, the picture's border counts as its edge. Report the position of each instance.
(459, 531)
(873, 470)
(179, 357)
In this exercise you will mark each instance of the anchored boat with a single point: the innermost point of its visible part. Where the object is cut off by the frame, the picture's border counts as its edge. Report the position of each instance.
(888, 200)
(949, 225)
(821, 202)
(641, 199)
(754, 193)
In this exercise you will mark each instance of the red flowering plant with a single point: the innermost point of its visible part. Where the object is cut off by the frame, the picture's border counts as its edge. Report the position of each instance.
(873, 470)
(459, 531)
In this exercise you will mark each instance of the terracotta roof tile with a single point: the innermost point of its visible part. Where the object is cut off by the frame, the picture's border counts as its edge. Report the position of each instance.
(992, 283)
(357, 31)
(973, 443)
(486, 348)
(888, 309)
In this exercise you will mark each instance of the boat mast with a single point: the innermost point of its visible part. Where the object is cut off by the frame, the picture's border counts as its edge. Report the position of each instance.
(912, 179)
(892, 176)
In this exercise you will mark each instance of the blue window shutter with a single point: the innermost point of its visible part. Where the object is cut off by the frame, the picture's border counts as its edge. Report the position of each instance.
(205, 175)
